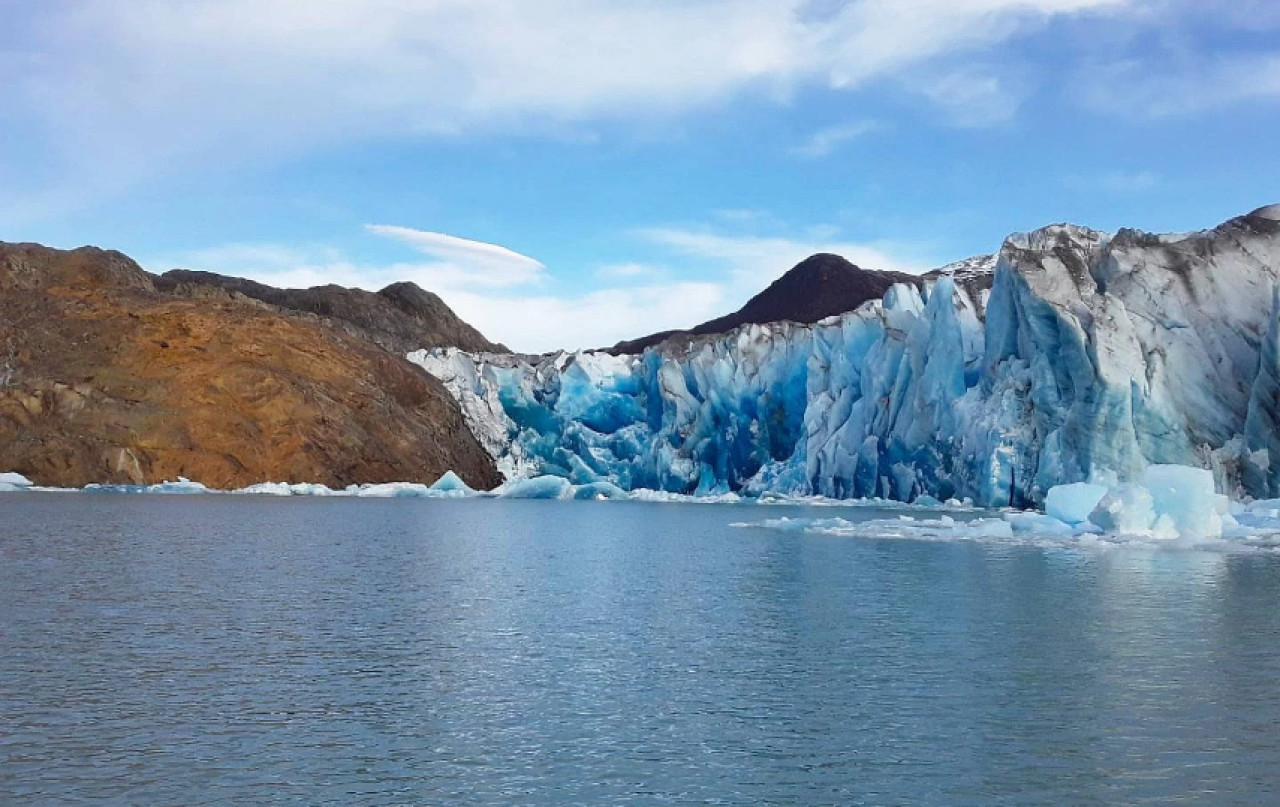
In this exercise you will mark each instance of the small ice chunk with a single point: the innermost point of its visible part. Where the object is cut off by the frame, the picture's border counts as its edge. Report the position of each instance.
(183, 485)
(1186, 496)
(394, 490)
(451, 482)
(978, 528)
(286, 489)
(539, 487)
(1073, 503)
(1127, 509)
(1269, 508)
(925, 500)
(11, 481)
(267, 489)
(1037, 524)
(599, 491)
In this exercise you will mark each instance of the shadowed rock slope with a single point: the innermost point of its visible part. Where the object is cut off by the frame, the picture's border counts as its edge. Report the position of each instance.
(402, 317)
(817, 287)
(106, 378)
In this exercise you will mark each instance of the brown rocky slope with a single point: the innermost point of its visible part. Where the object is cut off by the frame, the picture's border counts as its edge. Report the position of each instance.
(105, 378)
(401, 318)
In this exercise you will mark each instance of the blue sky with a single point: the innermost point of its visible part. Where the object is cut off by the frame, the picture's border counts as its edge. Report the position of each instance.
(567, 173)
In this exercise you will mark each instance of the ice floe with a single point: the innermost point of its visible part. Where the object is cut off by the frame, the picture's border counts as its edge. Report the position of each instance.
(11, 481)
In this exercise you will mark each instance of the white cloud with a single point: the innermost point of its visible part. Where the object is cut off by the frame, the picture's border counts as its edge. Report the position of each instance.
(620, 271)
(824, 141)
(973, 98)
(1115, 182)
(595, 319)
(752, 262)
(743, 215)
(523, 321)
(123, 87)
(489, 285)
(1183, 85)
(463, 262)
(456, 263)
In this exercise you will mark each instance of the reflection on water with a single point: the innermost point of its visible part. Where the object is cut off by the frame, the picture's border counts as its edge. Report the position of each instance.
(205, 650)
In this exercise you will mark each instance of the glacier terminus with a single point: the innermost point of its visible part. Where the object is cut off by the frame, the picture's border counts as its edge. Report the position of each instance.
(1071, 356)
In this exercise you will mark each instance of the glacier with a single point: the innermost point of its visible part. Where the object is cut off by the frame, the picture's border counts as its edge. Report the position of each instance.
(1091, 357)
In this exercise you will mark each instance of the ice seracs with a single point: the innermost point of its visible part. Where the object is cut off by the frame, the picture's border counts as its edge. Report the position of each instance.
(1090, 357)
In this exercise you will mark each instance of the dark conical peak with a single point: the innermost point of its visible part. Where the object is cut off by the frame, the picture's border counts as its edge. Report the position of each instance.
(818, 287)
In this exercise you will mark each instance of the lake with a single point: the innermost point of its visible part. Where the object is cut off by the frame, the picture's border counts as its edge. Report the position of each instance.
(228, 649)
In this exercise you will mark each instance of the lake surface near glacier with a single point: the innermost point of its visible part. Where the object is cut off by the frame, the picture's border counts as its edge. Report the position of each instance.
(218, 649)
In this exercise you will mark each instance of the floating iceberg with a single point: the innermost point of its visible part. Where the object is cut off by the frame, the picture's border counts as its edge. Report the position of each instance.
(450, 482)
(1126, 509)
(1257, 529)
(1170, 501)
(10, 481)
(1074, 502)
(599, 491)
(539, 487)
(941, 528)
(392, 490)
(287, 489)
(181, 486)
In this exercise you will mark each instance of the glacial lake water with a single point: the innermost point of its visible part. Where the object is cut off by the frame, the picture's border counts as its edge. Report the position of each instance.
(185, 650)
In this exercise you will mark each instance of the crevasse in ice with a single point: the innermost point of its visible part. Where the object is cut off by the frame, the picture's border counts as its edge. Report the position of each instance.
(1094, 357)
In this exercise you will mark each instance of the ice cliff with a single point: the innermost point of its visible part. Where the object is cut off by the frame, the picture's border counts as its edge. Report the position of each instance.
(1091, 357)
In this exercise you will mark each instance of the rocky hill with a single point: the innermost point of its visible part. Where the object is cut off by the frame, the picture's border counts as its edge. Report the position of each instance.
(110, 375)
(818, 287)
(402, 317)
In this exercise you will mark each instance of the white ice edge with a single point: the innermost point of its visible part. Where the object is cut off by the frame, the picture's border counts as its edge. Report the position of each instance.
(1234, 525)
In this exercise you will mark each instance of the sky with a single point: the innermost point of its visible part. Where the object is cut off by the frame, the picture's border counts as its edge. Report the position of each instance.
(569, 173)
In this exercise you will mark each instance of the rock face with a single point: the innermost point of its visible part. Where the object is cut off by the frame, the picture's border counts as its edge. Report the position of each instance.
(818, 287)
(402, 317)
(106, 378)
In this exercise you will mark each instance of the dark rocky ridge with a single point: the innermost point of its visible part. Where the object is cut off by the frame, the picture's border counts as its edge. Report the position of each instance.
(400, 318)
(818, 287)
(106, 378)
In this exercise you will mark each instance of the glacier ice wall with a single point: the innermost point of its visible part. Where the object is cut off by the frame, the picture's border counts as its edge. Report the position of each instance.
(1093, 356)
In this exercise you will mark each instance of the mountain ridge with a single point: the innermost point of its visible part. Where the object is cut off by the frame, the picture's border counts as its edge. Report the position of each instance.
(400, 318)
(106, 378)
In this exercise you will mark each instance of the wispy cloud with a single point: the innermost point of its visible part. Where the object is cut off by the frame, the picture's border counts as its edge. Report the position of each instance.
(463, 262)
(623, 271)
(488, 285)
(598, 318)
(1115, 182)
(973, 98)
(513, 298)
(1182, 85)
(824, 141)
(124, 88)
(752, 262)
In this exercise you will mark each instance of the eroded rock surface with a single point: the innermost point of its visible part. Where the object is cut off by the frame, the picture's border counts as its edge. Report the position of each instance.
(105, 378)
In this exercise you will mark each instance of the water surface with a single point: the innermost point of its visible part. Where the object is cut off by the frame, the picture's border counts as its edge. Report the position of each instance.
(211, 650)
